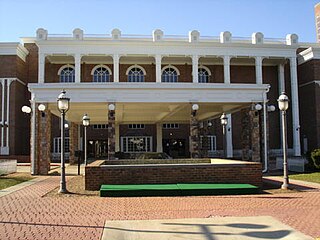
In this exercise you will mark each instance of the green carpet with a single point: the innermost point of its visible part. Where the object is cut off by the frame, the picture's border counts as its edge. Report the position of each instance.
(180, 189)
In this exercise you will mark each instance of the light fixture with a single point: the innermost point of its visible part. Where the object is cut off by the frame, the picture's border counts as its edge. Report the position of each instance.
(283, 102)
(85, 120)
(26, 109)
(224, 119)
(41, 107)
(195, 107)
(271, 108)
(111, 107)
(258, 107)
(63, 102)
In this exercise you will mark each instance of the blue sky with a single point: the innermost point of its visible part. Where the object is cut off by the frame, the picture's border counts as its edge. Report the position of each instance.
(274, 18)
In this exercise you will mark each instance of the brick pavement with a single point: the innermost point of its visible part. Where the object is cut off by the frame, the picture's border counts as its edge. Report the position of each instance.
(26, 214)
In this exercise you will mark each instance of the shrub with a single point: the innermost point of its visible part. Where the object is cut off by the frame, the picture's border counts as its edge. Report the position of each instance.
(315, 156)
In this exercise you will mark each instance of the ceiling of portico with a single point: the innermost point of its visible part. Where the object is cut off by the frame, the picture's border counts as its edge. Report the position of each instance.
(146, 112)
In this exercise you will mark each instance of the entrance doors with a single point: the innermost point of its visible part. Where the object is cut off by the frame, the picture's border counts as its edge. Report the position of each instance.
(97, 148)
(176, 148)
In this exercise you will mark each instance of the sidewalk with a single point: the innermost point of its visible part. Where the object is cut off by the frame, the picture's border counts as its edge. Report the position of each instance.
(28, 213)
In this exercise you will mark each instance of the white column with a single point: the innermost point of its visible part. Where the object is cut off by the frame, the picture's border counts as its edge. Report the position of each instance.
(77, 61)
(295, 107)
(116, 58)
(229, 137)
(117, 136)
(158, 68)
(41, 67)
(226, 69)
(3, 81)
(258, 70)
(195, 62)
(282, 86)
(9, 81)
(159, 137)
(33, 147)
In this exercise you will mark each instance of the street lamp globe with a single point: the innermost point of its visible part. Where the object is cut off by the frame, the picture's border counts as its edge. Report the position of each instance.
(224, 119)
(63, 102)
(195, 107)
(283, 102)
(86, 120)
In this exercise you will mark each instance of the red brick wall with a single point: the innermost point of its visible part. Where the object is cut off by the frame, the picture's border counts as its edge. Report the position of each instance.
(242, 74)
(10, 69)
(194, 173)
(32, 62)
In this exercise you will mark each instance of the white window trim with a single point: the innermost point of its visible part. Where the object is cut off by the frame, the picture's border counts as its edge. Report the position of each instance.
(214, 146)
(170, 66)
(103, 66)
(136, 66)
(65, 66)
(127, 137)
(205, 68)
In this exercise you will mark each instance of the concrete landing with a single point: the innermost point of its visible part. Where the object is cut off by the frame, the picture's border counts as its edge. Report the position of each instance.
(215, 228)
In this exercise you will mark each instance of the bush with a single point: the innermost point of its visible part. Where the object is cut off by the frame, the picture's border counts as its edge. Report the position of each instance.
(315, 156)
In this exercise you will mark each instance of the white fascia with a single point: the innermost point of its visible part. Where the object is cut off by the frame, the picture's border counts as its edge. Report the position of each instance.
(150, 92)
(165, 48)
(14, 48)
(309, 54)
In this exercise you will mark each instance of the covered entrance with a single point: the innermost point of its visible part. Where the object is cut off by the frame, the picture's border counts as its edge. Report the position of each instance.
(176, 148)
(97, 148)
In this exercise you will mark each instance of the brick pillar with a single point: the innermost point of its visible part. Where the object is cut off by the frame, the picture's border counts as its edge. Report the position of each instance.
(245, 134)
(250, 135)
(194, 135)
(111, 134)
(255, 136)
(73, 131)
(43, 142)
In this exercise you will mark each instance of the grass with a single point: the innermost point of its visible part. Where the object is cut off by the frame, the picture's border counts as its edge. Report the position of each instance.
(308, 177)
(13, 179)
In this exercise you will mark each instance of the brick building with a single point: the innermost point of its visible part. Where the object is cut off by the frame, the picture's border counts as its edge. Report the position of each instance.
(168, 93)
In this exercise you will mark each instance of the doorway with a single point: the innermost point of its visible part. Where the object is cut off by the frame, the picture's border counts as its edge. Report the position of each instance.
(97, 148)
(176, 148)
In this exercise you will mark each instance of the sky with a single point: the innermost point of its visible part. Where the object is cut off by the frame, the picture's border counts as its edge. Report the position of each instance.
(274, 18)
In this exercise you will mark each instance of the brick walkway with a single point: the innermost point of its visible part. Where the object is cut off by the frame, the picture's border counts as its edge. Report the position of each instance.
(26, 214)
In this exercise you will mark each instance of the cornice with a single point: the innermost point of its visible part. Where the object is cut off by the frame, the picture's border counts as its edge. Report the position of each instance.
(14, 49)
(309, 54)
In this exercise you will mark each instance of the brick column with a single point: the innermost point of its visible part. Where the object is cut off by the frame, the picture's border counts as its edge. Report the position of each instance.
(43, 141)
(250, 135)
(111, 133)
(73, 133)
(255, 136)
(194, 135)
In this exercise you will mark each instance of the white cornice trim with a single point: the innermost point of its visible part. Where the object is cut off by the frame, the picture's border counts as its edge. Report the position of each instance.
(309, 54)
(14, 49)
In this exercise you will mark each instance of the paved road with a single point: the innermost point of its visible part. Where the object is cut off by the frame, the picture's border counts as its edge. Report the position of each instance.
(26, 214)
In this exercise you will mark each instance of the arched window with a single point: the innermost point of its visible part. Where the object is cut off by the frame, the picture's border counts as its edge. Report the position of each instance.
(203, 74)
(66, 74)
(170, 74)
(135, 74)
(101, 73)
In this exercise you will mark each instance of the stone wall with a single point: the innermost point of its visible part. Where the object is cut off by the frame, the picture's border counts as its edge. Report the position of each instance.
(244, 172)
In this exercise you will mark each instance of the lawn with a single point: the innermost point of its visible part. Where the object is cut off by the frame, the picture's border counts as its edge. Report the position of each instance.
(13, 179)
(308, 177)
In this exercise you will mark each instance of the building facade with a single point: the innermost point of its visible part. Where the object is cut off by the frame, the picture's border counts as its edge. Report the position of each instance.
(157, 93)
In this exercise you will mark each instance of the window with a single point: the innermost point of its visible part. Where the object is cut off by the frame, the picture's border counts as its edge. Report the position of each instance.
(136, 126)
(100, 126)
(101, 74)
(67, 74)
(57, 145)
(203, 75)
(136, 74)
(208, 143)
(169, 74)
(133, 144)
(170, 126)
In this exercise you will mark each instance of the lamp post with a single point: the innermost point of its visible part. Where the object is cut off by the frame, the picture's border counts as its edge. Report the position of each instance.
(283, 103)
(86, 123)
(224, 122)
(63, 107)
